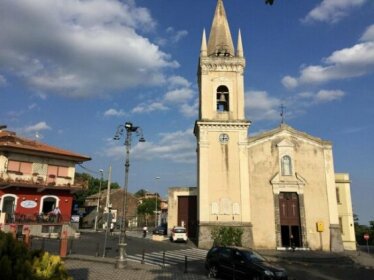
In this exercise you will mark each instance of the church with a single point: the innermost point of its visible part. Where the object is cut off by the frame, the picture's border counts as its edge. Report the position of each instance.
(279, 187)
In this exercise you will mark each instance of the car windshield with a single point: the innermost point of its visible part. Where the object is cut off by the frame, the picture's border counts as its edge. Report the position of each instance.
(253, 256)
(179, 230)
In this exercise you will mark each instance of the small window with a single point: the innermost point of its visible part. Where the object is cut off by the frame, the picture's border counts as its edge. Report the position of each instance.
(341, 224)
(338, 196)
(58, 171)
(20, 167)
(286, 166)
(222, 99)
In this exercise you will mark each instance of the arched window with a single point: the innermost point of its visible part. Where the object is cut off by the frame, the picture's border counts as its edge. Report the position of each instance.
(8, 205)
(286, 166)
(222, 99)
(48, 203)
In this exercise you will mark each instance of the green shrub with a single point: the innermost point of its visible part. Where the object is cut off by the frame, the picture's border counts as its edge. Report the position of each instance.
(18, 263)
(49, 267)
(15, 260)
(226, 236)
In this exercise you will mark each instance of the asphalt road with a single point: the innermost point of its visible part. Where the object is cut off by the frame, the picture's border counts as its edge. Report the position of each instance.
(91, 244)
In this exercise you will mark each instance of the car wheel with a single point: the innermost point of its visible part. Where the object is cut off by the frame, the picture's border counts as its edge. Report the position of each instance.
(213, 272)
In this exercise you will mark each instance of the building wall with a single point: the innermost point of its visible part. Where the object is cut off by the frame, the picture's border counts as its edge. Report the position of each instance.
(173, 194)
(64, 201)
(40, 165)
(309, 180)
(345, 211)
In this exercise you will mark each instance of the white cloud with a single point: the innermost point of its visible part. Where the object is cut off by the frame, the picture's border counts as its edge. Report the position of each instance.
(2, 81)
(260, 106)
(178, 81)
(332, 11)
(289, 82)
(179, 95)
(329, 95)
(114, 113)
(176, 36)
(351, 62)
(80, 48)
(190, 110)
(178, 146)
(149, 107)
(368, 34)
(37, 127)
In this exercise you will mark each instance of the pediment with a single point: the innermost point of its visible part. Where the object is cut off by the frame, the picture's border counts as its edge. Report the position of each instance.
(285, 143)
(296, 179)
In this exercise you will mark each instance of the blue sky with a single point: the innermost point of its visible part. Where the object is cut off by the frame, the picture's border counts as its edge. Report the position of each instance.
(72, 71)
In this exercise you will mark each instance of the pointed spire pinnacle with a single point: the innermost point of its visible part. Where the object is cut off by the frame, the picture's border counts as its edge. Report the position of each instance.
(220, 41)
(203, 50)
(239, 48)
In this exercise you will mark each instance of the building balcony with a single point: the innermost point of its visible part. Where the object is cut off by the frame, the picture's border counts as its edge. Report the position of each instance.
(19, 179)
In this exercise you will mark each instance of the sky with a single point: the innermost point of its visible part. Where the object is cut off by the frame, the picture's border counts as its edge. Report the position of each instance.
(72, 71)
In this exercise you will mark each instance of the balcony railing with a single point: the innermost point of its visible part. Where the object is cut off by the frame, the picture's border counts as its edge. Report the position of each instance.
(42, 180)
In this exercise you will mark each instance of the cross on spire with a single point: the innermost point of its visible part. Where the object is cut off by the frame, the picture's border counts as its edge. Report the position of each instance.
(283, 112)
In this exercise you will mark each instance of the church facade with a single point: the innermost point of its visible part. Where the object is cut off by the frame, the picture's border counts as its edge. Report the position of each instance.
(278, 187)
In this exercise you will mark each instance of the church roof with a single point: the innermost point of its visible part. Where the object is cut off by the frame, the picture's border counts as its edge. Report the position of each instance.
(220, 40)
(291, 130)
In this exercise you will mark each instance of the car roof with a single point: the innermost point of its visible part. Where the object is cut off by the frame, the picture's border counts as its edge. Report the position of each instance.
(235, 247)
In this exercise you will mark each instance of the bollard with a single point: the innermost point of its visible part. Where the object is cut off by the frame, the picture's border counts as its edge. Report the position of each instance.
(64, 244)
(71, 246)
(185, 264)
(26, 237)
(43, 243)
(163, 259)
(233, 271)
(143, 256)
(13, 231)
(97, 249)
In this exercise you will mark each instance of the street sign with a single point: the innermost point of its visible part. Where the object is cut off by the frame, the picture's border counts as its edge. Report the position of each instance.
(366, 236)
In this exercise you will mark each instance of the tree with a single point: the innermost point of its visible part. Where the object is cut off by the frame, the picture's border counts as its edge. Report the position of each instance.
(360, 230)
(147, 208)
(93, 187)
(140, 193)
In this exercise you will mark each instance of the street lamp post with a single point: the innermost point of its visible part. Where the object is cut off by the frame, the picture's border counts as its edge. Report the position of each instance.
(127, 128)
(98, 199)
(156, 220)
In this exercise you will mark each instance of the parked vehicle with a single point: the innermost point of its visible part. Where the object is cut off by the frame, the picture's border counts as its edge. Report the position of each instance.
(160, 230)
(179, 234)
(241, 263)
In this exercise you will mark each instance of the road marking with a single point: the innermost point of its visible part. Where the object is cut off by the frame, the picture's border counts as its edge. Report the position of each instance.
(171, 257)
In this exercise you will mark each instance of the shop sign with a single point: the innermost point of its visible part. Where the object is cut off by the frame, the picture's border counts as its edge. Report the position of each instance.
(28, 204)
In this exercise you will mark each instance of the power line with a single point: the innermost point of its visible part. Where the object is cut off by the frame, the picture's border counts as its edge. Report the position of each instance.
(89, 170)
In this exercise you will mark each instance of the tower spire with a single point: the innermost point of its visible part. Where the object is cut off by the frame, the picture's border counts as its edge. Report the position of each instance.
(203, 50)
(239, 48)
(220, 41)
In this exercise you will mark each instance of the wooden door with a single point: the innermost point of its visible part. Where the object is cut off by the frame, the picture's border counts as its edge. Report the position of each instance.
(187, 214)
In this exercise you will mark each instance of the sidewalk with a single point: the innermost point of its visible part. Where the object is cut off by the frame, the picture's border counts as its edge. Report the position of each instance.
(96, 268)
(346, 258)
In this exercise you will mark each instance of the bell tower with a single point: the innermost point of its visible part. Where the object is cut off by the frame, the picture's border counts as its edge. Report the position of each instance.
(221, 133)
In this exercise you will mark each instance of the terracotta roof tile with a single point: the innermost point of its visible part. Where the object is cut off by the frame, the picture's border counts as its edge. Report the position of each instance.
(10, 141)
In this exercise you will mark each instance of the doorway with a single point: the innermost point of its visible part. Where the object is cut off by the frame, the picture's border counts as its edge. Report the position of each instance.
(49, 203)
(289, 210)
(9, 205)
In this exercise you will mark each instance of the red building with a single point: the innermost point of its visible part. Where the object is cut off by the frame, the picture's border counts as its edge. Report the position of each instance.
(35, 181)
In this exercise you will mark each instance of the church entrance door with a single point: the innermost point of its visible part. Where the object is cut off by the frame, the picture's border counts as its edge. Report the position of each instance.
(290, 219)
